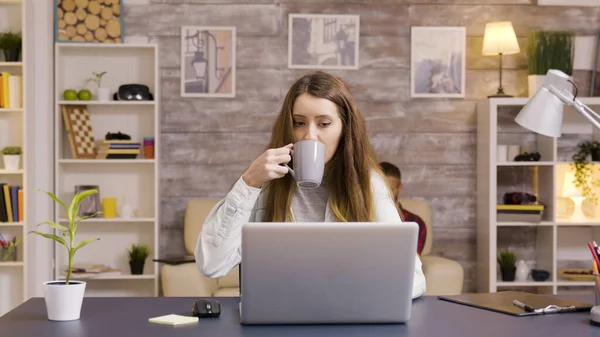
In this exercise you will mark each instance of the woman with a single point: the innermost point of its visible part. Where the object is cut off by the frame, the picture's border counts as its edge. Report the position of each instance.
(319, 107)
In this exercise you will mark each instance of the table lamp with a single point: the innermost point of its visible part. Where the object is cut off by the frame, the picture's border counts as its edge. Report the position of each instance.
(543, 114)
(500, 39)
(572, 192)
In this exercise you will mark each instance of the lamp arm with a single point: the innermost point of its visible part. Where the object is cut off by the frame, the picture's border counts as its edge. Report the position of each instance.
(588, 113)
(568, 99)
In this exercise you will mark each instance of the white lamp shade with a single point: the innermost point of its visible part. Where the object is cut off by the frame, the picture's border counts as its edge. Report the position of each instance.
(543, 113)
(500, 38)
(569, 189)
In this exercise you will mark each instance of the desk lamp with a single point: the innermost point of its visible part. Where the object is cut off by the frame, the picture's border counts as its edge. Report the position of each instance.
(500, 39)
(543, 114)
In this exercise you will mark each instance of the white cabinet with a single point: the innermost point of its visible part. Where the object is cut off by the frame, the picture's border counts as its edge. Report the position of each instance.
(555, 243)
(132, 181)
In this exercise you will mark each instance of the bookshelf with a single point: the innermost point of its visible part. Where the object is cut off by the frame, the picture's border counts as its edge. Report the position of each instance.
(13, 121)
(132, 181)
(553, 243)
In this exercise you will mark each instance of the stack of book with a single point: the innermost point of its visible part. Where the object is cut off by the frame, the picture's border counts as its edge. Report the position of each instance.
(118, 149)
(11, 203)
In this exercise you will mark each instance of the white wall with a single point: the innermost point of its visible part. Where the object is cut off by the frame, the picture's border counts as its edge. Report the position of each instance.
(40, 153)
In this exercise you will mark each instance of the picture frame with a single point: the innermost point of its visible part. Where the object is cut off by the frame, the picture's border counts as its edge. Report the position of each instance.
(208, 61)
(438, 62)
(595, 82)
(91, 204)
(93, 22)
(323, 41)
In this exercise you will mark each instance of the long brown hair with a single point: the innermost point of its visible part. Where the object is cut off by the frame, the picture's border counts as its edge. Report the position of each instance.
(348, 173)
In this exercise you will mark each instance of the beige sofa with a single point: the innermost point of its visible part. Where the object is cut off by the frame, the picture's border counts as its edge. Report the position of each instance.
(443, 276)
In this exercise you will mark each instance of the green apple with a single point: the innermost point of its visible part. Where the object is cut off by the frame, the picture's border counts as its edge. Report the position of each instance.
(70, 95)
(84, 95)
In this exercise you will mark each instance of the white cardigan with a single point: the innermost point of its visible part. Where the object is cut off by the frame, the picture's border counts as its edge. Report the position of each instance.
(219, 245)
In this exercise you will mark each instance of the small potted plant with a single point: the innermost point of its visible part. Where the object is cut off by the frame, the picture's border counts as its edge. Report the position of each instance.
(10, 43)
(102, 93)
(507, 261)
(12, 155)
(137, 258)
(64, 297)
(583, 169)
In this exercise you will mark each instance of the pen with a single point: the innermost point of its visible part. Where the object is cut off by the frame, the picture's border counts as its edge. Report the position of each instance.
(523, 306)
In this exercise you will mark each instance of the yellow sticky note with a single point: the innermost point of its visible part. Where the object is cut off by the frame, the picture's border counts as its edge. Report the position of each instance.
(173, 319)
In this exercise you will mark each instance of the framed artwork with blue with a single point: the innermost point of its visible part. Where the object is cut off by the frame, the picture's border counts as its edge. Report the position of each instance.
(88, 21)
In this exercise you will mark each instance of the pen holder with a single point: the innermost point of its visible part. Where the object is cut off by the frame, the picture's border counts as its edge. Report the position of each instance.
(8, 255)
(595, 312)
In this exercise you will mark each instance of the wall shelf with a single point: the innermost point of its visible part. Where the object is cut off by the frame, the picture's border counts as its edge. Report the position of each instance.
(131, 181)
(13, 132)
(555, 242)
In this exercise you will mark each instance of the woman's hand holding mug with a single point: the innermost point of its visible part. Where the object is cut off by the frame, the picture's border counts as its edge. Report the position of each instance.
(268, 166)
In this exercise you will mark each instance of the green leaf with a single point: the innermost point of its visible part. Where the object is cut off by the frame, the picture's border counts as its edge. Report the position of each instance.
(74, 208)
(55, 198)
(52, 236)
(53, 225)
(83, 243)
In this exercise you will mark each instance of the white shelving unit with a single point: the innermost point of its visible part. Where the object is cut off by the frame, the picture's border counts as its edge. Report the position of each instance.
(13, 121)
(554, 242)
(131, 181)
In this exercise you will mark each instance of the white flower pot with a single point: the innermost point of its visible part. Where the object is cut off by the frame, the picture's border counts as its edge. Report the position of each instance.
(534, 82)
(11, 161)
(104, 94)
(63, 302)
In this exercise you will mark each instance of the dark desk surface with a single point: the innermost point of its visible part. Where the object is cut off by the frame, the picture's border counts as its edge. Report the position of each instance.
(128, 317)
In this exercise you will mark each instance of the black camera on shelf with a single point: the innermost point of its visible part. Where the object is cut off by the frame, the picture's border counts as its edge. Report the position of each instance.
(525, 156)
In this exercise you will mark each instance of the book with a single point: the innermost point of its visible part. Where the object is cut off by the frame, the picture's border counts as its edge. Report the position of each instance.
(173, 319)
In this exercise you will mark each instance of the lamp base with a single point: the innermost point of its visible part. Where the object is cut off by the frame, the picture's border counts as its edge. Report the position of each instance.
(578, 215)
(500, 95)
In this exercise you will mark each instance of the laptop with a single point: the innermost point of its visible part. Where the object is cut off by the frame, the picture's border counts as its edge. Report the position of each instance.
(327, 273)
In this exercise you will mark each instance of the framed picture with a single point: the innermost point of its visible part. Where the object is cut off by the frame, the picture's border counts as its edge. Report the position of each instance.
(438, 62)
(322, 41)
(208, 61)
(595, 85)
(93, 21)
(91, 204)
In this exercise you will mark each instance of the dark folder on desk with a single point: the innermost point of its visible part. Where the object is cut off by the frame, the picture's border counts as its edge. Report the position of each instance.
(503, 302)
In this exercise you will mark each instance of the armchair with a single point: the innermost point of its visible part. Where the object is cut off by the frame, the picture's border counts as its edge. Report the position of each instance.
(186, 279)
(443, 276)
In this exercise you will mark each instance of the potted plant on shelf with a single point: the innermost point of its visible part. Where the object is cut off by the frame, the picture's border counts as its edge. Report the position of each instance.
(12, 154)
(10, 43)
(507, 261)
(548, 50)
(64, 298)
(583, 170)
(137, 258)
(102, 93)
